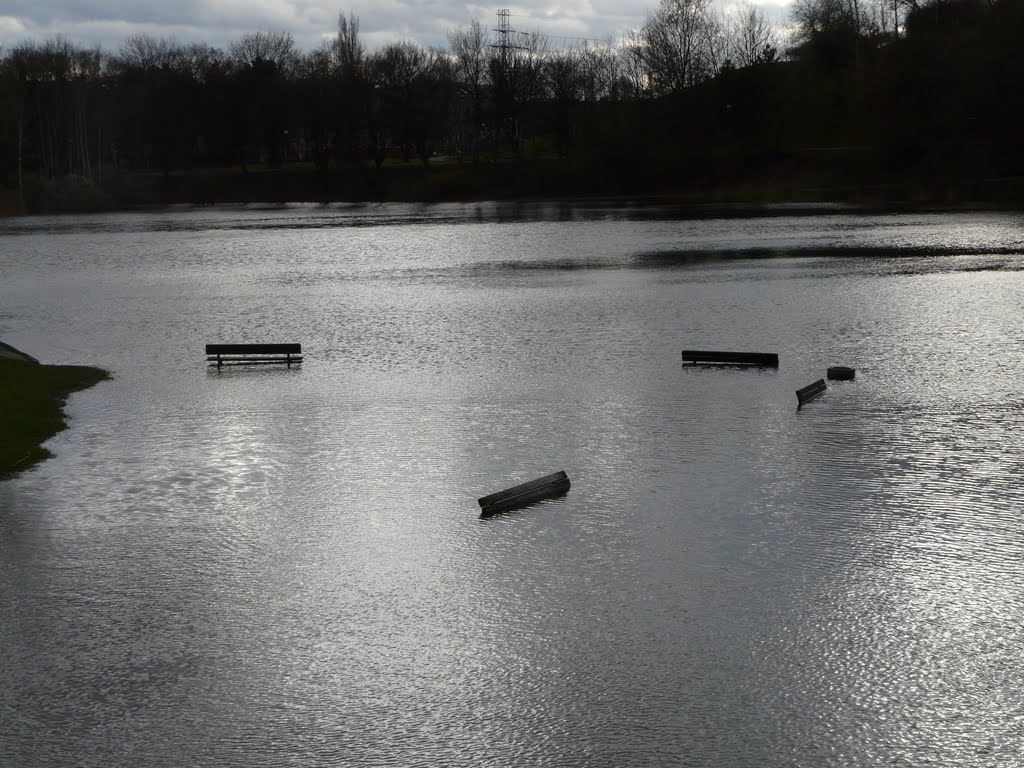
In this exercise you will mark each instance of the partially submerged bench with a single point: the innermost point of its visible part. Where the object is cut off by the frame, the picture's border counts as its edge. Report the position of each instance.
(526, 493)
(706, 357)
(811, 391)
(841, 373)
(253, 354)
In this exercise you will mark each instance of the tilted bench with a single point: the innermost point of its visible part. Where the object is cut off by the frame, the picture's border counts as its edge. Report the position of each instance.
(253, 354)
(524, 494)
(811, 391)
(704, 357)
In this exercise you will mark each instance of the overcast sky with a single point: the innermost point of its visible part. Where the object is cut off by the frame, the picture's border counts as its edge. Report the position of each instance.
(219, 22)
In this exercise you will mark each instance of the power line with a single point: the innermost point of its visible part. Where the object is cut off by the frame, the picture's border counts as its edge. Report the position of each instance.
(505, 31)
(584, 39)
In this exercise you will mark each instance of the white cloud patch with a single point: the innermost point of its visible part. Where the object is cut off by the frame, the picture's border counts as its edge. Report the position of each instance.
(11, 30)
(578, 10)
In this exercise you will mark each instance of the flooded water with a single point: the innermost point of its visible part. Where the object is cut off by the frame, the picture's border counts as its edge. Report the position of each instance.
(272, 567)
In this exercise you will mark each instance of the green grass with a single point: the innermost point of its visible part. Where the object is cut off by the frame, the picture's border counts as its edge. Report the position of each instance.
(32, 401)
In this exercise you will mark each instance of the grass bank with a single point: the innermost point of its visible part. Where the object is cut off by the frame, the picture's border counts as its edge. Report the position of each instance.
(842, 175)
(33, 398)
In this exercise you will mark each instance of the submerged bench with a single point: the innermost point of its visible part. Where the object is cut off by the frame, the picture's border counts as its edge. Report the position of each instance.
(526, 493)
(253, 354)
(730, 358)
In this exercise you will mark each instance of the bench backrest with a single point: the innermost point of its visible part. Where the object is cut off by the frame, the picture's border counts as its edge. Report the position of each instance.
(754, 358)
(253, 349)
(557, 477)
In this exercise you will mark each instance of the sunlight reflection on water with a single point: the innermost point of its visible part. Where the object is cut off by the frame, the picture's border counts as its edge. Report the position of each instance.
(274, 567)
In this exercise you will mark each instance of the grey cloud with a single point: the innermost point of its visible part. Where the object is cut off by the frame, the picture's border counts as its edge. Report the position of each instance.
(219, 22)
(49, 12)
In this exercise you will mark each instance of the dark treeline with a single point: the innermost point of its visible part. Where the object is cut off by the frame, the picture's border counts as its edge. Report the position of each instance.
(903, 97)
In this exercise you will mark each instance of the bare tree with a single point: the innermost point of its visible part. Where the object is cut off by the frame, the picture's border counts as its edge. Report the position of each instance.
(56, 79)
(889, 16)
(12, 87)
(397, 71)
(277, 48)
(469, 48)
(141, 52)
(680, 45)
(348, 49)
(438, 88)
(86, 68)
(751, 38)
(566, 82)
(634, 80)
(267, 63)
(600, 69)
(826, 17)
(317, 103)
(517, 74)
(352, 86)
(199, 60)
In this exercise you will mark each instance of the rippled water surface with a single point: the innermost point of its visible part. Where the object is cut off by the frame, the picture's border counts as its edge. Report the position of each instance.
(267, 567)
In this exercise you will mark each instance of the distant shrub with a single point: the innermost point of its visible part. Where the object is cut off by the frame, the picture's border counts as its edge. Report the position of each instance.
(70, 194)
(10, 203)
